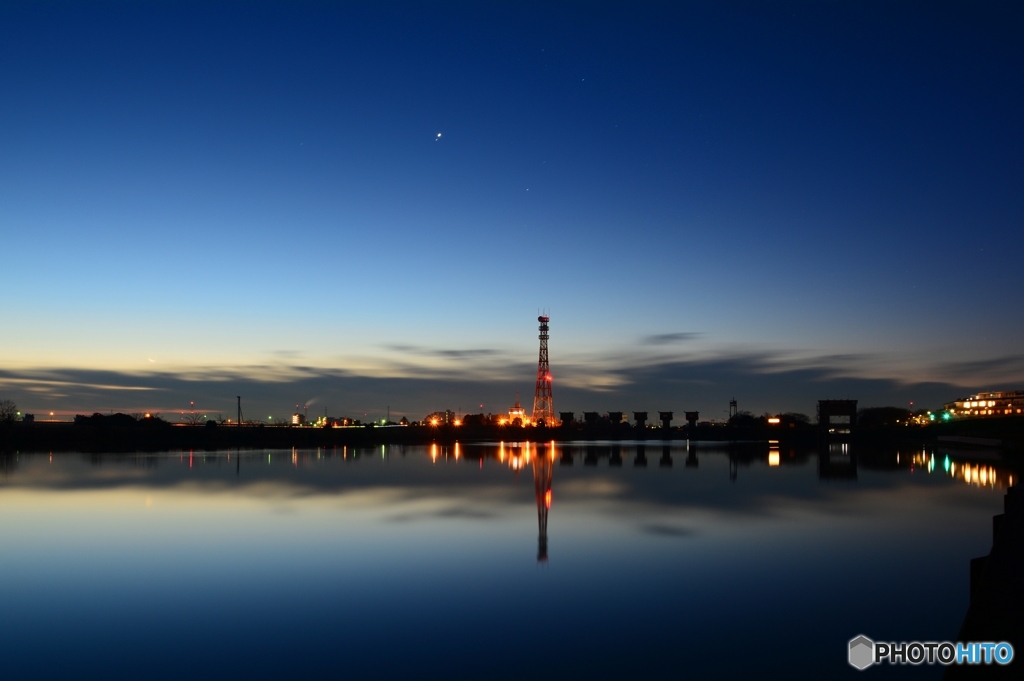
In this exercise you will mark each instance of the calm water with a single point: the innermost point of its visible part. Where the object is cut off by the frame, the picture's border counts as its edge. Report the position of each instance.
(429, 561)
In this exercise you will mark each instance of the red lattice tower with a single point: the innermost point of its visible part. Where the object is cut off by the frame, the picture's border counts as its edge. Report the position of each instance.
(543, 406)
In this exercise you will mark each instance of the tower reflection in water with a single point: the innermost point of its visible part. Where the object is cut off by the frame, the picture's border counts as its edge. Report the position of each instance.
(542, 471)
(542, 462)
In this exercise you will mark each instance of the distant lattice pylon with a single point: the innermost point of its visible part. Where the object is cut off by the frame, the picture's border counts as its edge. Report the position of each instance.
(543, 406)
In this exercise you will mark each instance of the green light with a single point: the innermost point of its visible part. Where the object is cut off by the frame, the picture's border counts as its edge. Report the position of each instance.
(945, 464)
(945, 417)
(931, 417)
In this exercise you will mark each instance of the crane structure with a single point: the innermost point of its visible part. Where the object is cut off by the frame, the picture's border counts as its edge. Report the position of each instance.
(543, 406)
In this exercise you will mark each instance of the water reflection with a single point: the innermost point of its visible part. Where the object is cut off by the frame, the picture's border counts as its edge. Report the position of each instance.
(640, 460)
(971, 473)
(388, 541)
(837, 462)
(542, 472)
(666, 456)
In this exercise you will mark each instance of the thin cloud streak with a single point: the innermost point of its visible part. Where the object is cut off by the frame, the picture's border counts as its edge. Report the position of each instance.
(670, 338)
(760, 381)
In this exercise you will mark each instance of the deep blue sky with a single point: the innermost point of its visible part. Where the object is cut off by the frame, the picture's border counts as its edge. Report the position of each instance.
(772, 201)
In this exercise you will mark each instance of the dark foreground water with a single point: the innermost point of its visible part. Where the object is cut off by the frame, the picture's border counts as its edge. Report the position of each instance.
(428, 562)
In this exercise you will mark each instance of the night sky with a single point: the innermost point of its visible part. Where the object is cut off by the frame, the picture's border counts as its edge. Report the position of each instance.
(359, 206)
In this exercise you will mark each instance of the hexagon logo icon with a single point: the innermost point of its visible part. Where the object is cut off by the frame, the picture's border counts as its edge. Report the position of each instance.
(862, 652)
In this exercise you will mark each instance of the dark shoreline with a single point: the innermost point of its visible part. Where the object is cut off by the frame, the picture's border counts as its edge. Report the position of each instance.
(1005, 437)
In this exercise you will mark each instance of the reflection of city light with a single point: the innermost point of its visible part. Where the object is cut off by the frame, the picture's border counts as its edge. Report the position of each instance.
(456, 447)
(501, 452)
(773, 458)
(433, 452)
(547, 499)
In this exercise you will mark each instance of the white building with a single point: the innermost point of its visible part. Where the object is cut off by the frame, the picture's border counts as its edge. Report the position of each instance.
(1006, 403)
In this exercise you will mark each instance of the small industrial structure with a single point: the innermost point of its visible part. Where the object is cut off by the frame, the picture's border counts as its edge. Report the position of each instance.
(641, 419)
(517, 415)
(1004, 403)
(837, 417)
(543, 405)
(666, 419)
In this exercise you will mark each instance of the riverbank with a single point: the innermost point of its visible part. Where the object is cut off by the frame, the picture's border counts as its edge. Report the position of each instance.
(991, 438)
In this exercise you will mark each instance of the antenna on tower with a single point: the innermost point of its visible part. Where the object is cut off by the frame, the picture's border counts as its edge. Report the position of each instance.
(238, 421)
(543, 406)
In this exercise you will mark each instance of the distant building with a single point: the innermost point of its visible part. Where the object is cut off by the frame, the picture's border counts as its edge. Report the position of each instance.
(330, 422)
(1006, 403)
(440, 418)
(298, 419)
(517, 412)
